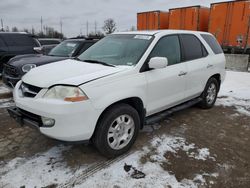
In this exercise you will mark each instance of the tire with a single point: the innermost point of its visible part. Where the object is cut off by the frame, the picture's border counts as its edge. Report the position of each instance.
(110, 136)
(209, 95)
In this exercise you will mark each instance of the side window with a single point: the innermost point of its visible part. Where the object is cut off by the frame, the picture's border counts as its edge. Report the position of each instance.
(212, 42)
(19, 40)
(168, 47)
(193, 48)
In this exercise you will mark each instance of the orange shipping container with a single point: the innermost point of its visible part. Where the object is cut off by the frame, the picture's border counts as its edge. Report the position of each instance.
(229, 22)
(189, 18)
(152, 20)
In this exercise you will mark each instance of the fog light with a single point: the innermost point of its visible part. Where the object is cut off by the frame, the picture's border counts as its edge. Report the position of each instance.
(48, 122)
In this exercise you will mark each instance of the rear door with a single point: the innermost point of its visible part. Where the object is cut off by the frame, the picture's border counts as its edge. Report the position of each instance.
(166, 87)
(196, 58)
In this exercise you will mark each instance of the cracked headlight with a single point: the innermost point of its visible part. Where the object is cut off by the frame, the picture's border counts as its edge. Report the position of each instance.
(66, 93)
(28, 67)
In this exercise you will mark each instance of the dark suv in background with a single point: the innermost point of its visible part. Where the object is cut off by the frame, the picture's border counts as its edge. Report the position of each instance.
(19, 65)
(12, 44)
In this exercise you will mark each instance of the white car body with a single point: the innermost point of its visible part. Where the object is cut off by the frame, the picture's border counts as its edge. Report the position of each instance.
(158, 89)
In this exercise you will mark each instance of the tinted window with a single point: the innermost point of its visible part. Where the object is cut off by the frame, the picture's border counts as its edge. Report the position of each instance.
(212, 42)
(19, 40)
(168, 47)
(84, 47)
(193, 48)
(2, 43)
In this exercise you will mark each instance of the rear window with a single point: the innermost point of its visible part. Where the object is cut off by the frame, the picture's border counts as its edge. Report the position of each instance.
(19, 40)
(212, 42)
(193, 48)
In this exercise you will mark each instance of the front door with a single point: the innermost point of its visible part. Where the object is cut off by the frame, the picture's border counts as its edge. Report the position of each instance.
(166, 87)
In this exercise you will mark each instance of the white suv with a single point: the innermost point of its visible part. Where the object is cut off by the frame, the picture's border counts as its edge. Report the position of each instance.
(108, 92)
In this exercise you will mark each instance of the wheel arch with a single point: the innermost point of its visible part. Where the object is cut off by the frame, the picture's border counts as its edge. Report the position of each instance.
(217, 76)
(135, 102)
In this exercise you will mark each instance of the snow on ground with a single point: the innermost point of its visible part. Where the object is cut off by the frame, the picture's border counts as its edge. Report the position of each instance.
(156, 176)
(49, 168)
(3, 89)
(41, 170)
(4, 103)
(235, 91)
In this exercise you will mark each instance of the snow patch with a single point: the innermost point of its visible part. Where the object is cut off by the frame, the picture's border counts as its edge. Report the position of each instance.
(4, 103)
(4, 89)
(41, 170)
(235, 91)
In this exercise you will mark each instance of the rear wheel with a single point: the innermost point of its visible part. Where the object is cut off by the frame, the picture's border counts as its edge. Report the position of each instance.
(209, 94)
(117, 130)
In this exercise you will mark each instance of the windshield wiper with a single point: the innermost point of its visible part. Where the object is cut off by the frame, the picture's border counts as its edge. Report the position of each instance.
(94, 61)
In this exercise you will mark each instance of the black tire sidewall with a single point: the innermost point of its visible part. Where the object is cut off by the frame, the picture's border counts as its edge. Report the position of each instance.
(100, 137)
(204, 103)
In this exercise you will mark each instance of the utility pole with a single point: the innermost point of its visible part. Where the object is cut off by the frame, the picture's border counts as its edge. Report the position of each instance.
(41, 24)
(95, 27)
(80, 31)
(61, 25)
(87, 28)
(2, 24)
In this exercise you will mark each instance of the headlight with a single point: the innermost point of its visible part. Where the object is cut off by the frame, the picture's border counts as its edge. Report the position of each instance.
(28, 67)
(66, 93)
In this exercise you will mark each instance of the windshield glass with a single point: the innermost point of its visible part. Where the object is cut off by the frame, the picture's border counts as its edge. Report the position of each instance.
(65, 49)
(118, 49)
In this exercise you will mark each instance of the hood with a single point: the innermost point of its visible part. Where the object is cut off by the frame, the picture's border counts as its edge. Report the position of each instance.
(37, 59)
(69, 72)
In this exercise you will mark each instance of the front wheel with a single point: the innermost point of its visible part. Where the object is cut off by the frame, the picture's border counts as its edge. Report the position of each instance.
(209, 94)
(117, 130)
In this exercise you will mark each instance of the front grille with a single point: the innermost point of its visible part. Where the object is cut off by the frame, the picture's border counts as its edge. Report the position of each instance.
(29, 90)
(11, 71)
(31, 116)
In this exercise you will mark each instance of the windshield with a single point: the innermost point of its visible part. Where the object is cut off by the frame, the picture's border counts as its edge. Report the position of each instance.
(118, 49)
(65, 49)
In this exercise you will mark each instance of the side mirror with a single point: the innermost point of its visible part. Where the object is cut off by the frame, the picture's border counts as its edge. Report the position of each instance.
(158, 62)
(38, 50)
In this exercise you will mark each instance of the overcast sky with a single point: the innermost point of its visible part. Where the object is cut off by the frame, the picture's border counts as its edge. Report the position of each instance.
(75, 13)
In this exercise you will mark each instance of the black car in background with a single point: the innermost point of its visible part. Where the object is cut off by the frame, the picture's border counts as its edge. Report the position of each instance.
(16, 43)
(19, 65)
(48, 43)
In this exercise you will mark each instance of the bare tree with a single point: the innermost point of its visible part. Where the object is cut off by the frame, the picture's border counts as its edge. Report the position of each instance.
(14, 29)
(109, 26)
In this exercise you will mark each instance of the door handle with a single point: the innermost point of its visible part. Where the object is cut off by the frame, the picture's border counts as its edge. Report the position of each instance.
(182, 73)
(209, 66)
